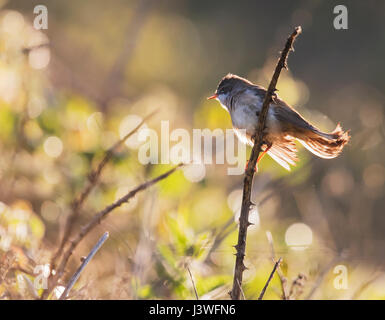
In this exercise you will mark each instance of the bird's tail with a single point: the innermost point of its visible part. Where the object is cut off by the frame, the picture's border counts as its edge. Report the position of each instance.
(324, 145)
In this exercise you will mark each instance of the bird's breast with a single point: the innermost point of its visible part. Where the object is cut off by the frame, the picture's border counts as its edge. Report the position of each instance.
(246, 117)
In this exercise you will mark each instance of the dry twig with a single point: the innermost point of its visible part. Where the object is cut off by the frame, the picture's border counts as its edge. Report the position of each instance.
(97, 218)
(249, 174)
(76, 275)
(93, 179)
(276, 265)
(282, 278)
(193, 282)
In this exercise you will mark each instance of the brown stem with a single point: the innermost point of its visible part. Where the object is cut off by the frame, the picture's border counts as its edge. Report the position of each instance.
(93, 179)
(76, 275)
(282, 278)
(97, 218)
(249, 174)
(276, 265)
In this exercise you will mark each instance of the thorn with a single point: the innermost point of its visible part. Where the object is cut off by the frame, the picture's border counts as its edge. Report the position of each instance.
(249, 224)
(240, 255)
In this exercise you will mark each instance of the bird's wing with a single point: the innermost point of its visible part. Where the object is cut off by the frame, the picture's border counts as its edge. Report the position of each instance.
(289, 119)
(286, 115)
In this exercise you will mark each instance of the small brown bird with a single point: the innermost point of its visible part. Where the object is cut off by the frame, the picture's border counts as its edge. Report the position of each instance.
(243, 100)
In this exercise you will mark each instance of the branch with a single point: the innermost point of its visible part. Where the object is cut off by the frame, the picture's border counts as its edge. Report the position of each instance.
(282, 278)
(76, 275)
(97, 218)
(193, 283)
(268, 280)
(93, 179)
(249, 174)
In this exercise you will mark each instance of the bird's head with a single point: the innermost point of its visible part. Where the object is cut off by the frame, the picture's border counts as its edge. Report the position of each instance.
(229, 86)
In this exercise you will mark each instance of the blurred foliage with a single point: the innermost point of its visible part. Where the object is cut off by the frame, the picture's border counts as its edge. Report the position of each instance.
(63, 105)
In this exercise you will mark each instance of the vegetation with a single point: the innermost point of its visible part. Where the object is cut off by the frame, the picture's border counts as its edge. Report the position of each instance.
(68, 94)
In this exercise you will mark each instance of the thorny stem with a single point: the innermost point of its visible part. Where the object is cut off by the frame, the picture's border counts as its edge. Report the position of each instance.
(249, 174)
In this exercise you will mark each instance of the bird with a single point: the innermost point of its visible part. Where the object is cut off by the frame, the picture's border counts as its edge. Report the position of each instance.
(284, 125)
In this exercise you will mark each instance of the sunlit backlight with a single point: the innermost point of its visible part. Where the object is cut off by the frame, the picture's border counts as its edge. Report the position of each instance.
(128, 124)
(5, 241)
(53, 146)
(58, 291)
(195, 172)
(21, 231)
(234, 201)
(50, 211)
(13, 22)
(39, 58)
(299, 236)
(10, 83)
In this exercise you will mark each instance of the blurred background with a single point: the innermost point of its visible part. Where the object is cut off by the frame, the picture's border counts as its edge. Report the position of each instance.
(69, 92)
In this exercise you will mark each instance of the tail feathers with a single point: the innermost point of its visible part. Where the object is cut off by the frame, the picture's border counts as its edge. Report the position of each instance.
(321, 144)
(284, 153)
(325, 145)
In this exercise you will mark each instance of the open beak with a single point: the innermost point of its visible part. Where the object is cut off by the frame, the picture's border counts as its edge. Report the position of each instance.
(214, 96)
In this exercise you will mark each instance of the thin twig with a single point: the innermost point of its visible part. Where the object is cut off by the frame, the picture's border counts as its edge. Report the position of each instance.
(193, 283)
(249, 174)
(76, 275)
(93, 179)
(282, 278)
(98, 217)
(276, 265)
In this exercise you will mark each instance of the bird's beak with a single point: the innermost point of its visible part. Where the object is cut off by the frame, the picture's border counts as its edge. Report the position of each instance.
(214, 96)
